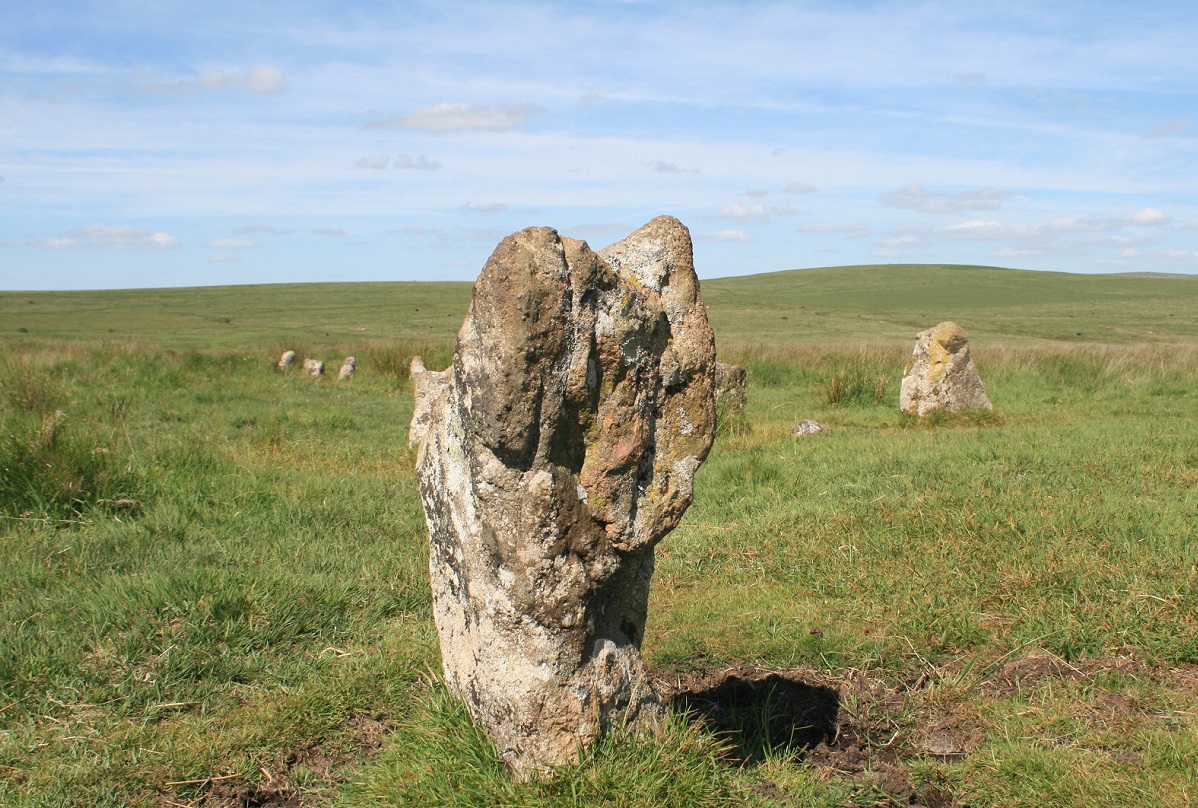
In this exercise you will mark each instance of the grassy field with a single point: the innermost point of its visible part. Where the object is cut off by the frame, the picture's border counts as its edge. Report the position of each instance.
(213, 583)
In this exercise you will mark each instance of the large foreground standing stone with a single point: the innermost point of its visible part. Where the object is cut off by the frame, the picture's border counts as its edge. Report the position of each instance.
(560, 450)
(940, 374)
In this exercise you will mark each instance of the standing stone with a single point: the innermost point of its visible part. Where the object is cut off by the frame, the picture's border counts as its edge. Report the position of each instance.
(731, 389)
(313, 367)
(940, 374)
(561, 449)
(347, 369)
(286, 360)
(426, 386)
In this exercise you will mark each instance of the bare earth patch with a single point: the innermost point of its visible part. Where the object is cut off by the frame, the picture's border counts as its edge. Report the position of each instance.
(866, 730)
(324, 763)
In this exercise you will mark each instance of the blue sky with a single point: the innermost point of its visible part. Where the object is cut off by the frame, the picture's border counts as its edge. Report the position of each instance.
(176, 144)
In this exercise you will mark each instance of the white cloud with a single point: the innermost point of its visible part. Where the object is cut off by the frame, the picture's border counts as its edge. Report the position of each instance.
(915, 197)
(799, 188)
(224, 259)
(420, 163)
(726, 235)
(231, 244)
(446, 117)
(374, 161)
(101, 237)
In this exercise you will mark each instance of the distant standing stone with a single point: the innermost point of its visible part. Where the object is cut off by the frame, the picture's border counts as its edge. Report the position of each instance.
(427, 385)
(941, 374)
(561, 448)
(731, 389)
(286, 360)
(313, 367)
(807, 427)
(347, 368)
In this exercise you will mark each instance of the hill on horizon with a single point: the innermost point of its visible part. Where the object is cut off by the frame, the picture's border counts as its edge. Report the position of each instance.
(833, 305)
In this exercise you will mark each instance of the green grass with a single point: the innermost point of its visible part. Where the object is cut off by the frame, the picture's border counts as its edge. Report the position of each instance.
(213, 583)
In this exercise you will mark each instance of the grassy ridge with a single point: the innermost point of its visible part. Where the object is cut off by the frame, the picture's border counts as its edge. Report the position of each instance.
(842, 305)
(835, 306)
(214, 584)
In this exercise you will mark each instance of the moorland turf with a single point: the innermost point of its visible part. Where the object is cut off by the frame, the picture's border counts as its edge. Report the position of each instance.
(213, 584)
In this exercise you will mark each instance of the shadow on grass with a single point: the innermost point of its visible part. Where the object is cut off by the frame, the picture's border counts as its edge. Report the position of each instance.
(761, 715)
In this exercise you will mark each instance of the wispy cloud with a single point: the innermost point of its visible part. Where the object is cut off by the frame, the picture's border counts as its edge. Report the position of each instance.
(101, 237)
(263, 229)
(739, 211)
(224, 259)
(419, 163)
(447, 117)
(850, 230)
(799, 188)
(757, 211)
(1059, 236)
(725, 235)
(374, 162)
(1166, 129)
(231, 244)
(328, 231)
(493, 208)
(1054, 228)
(263, 80)
(916, 197)
(663, 167)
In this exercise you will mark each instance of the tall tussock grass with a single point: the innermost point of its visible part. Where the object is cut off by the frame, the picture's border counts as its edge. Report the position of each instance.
(51, 465)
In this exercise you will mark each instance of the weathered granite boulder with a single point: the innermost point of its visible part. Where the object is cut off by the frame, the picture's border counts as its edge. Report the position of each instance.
(347, 369)
(286, 360)
(314, 367)
(941, 374)
(426, 386)
(731, 389)
(562, 448)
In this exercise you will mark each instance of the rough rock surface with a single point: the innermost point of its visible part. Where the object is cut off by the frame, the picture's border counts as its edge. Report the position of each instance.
(426, 385)
(807, 427)
(286, 360)
(314, 367)
(347, 368)
(731, 388)
(941, 374)
(562, 448)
